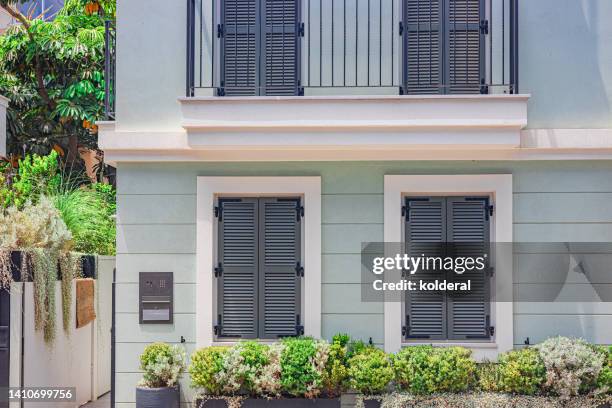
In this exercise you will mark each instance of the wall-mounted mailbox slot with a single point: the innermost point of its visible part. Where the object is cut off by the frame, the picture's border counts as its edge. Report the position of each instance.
(156, 297)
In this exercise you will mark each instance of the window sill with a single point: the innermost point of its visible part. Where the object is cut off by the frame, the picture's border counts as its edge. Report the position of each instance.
(442, 343)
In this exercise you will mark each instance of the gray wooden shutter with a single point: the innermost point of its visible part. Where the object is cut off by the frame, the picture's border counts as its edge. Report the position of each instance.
(239, 47)
(465, 46)
(238, 257)
(280, 54)
(279, 260)
(468, 236)
(425, 235)
(422, 46)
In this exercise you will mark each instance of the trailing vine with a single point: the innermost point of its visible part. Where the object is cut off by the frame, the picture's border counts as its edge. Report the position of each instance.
(6, 276)
(70, 267)
(44, 274)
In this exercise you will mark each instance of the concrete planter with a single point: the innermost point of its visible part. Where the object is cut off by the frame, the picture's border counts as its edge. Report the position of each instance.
(274, 403)
(168, 397)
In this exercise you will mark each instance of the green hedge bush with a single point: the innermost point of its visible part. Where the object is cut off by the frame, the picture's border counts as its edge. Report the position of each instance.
(604, 381)
(521, 372)
(370, 371)
(302, 365)
(206, 364)
(305, 367)
(427, 369)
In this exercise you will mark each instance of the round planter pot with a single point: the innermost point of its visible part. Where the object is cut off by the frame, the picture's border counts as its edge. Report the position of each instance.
(168, 397)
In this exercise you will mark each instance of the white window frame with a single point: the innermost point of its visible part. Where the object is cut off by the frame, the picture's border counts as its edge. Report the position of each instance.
(208, 190)
(499, 188)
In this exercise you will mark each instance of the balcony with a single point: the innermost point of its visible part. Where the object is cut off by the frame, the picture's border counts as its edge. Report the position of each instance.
(343, 78)
(351, 47)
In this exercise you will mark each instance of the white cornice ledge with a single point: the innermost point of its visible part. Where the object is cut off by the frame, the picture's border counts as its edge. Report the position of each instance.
(453, 121)
(564, 139)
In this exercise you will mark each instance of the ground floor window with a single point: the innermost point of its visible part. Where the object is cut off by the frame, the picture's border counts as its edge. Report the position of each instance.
(259, 271)
(451, 227)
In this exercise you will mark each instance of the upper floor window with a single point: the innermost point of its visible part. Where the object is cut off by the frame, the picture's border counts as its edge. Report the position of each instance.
(259, 47)
(296, 47)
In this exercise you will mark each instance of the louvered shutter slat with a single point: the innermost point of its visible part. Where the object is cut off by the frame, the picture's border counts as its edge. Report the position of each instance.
(238, 253)
(468, 236)
(425, 235)
(239, 47)
(280, 252)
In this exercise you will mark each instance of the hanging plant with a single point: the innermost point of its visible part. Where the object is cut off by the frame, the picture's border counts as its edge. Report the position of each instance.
(70, 267)
(44, 274)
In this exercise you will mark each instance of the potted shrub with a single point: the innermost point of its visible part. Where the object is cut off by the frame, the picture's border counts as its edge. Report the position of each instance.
(162, 365)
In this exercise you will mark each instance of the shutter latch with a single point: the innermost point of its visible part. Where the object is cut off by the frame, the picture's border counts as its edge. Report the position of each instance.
(484, 27)
(401, 28)
(491, 331)
(219, 270)
(217, 327)
(404, 211)
(220, 30)
(299, 270)
(299, 329)
(300, 29)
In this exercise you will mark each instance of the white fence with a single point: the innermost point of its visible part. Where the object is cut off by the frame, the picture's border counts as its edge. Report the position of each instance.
(80, 359)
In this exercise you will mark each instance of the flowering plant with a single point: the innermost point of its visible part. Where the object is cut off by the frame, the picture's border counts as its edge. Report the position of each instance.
(162, 365)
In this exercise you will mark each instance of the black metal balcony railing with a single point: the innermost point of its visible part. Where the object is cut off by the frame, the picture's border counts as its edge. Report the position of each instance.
(109, 70)
(297, 47)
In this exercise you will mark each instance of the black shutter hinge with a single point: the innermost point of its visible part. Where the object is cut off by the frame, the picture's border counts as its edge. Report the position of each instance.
(401, 28)
(219, 270)
(484, 88)
(299, 329)
(299, 270)
(299, 211)
(484, 27)
(220, 91)
(300, 29)
(300, 88)
(404, 211)
(489, 210)
(491, 271)
(406, 328)
(220, 30)
(217, 327)
(490, 327)
(218, 212)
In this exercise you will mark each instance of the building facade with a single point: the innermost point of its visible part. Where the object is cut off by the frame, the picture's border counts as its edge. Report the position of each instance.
(259, 144)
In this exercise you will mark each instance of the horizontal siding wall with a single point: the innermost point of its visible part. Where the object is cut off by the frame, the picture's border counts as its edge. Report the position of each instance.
(553, 201)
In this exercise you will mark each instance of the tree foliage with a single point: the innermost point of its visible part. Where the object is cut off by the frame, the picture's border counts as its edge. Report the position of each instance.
(53, 74)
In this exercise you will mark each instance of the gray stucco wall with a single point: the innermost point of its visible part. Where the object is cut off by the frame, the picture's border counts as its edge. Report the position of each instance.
(553, 201)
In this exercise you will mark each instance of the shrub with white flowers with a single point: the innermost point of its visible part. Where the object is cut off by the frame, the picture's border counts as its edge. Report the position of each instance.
(572, 365)
(162, 365)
